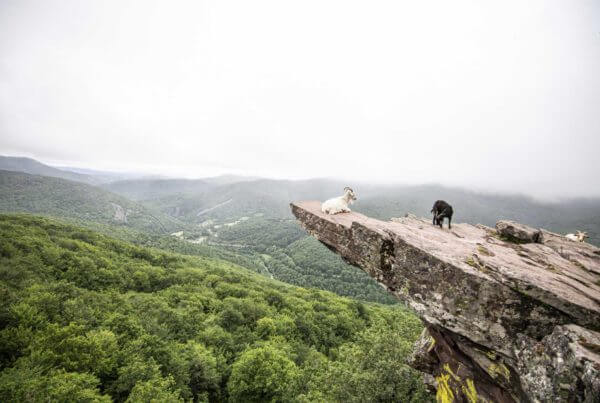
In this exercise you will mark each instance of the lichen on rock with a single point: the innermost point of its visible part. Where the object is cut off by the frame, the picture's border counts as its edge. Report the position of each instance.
(504, 321)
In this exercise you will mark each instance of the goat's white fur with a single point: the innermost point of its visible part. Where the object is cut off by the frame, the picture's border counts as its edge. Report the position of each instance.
(339, 204)
(579, 237)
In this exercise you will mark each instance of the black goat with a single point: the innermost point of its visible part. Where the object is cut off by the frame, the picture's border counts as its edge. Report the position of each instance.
(441, 210)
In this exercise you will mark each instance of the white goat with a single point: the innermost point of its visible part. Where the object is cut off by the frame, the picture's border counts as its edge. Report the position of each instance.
(579, 237)
(339, 204)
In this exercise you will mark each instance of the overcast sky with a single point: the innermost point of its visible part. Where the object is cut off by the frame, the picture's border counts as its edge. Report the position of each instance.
(501, 95)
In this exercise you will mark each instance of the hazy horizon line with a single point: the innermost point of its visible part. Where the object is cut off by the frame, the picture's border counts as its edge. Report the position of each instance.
(142, 174)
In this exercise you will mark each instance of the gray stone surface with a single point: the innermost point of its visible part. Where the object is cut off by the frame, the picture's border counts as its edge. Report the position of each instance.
(519, 232)
(489, 305)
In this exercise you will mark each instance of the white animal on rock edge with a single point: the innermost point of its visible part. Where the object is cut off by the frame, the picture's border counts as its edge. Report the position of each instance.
(579, 237)
(339, 204)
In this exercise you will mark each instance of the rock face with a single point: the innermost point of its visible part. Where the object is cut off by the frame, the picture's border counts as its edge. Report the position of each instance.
(120, 213)
(505, 321)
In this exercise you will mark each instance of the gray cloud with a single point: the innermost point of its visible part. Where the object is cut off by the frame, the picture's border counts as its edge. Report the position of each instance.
(502, 96)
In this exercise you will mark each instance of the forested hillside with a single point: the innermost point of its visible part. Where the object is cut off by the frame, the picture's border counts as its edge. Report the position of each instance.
(57, 197)
(263, 245)
(89, 318)
(301, 261)
(291, 256)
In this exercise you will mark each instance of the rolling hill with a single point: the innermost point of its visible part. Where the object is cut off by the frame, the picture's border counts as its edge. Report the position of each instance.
(20, 192)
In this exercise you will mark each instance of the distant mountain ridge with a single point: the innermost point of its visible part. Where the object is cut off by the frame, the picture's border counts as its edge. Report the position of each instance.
(146, 189)
(106, 176)
(33, 167)
(85, 175)
(155, 188)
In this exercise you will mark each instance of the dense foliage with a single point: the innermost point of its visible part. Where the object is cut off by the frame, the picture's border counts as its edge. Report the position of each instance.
(88, 317)
(307, 262)
(280, 249)
(261, 233)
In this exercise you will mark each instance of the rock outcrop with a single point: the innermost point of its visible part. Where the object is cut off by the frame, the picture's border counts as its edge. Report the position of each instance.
(120, 213)
(516, 232)
(505, 321)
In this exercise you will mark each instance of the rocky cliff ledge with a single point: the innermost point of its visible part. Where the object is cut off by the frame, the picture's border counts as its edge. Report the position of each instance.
(510, 315)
